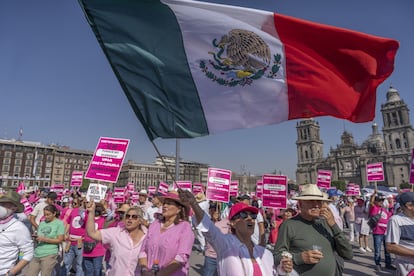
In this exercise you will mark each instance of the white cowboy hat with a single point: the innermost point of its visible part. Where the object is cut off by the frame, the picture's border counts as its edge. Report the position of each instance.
(311, 192)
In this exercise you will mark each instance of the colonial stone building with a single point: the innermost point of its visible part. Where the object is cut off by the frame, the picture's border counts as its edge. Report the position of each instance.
(348, 160)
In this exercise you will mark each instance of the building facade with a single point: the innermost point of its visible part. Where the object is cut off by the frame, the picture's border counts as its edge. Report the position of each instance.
(348, 160)
(38, 165)
(163, 169)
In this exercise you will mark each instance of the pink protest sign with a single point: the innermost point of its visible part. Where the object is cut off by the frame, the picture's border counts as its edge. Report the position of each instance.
(184, 185)
(412, 169)
(274, 191)
(259, 189)
(350, 189)
(118, 195)
(234, 188)
(130, 187)
(324, 179)
(76, 180)
(163, 188)
(152, 190)
(197, 187)
(107, 160)
(375, 172)
(218, 185)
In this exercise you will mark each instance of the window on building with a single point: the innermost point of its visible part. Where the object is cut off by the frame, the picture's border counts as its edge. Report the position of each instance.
(6, 161)
(18, 162)
(7, 154)
(19, 154)
(306, 154)
(397, 143)
(16, 169)
(5, 168)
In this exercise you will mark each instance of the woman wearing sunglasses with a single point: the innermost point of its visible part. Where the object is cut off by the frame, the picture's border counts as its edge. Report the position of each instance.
(169, 240)
(236, 253)
(124, 241)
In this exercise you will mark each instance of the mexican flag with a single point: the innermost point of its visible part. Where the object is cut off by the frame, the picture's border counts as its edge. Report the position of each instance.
(190, 68)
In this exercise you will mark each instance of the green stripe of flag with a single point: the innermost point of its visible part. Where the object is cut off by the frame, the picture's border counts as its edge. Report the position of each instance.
(148, 59)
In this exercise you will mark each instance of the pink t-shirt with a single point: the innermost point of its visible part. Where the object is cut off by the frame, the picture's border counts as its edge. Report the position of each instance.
(381, 227)
(75, 225)
(99, 249)
(124, 257)
(175, 243)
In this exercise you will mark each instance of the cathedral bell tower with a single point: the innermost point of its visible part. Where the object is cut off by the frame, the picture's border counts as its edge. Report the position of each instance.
(398, 138)
(310, 150)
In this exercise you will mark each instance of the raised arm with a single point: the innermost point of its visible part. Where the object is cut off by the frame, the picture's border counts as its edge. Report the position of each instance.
(90, 223)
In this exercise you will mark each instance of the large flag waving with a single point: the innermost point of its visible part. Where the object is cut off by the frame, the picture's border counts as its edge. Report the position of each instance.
(191, 68)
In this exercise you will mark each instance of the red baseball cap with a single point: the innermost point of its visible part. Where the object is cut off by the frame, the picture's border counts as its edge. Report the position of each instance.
(240, 207)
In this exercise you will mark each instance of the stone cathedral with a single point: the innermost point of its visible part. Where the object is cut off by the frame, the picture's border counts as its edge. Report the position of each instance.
(348, 160)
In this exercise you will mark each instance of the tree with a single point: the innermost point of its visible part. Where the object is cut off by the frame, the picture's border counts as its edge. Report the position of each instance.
(339, 184)
(85, 184)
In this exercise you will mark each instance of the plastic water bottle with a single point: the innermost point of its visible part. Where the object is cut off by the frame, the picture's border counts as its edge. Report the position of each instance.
(155, 267)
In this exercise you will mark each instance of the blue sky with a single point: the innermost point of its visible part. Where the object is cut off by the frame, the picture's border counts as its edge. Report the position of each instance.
(57, 85)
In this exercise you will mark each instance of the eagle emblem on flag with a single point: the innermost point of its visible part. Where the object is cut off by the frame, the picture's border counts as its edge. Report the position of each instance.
(241, 57)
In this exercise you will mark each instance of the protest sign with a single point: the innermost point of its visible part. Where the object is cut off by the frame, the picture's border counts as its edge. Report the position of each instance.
(218, 185)
(184, 185)
(324, 179)
(95, 192)
(76, 179)
(274, 191)
(234, 188)
(375, 172)
(412, 169)
(197, 188)
(107, 160)
(259, 189)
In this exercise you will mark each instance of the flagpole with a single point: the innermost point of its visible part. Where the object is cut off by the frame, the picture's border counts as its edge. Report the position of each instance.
(177, 159)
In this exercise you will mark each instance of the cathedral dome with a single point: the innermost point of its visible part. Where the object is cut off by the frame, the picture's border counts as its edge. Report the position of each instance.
(375, 142)
(393, 95)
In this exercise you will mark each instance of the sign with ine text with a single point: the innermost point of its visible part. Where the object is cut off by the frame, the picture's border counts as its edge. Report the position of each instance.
(375, 172)
(107, 160)
(274, 191)
(324, 179)
(218, 185)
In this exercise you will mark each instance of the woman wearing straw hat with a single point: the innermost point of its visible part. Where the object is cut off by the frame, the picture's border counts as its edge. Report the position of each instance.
(313, 237)
(237, 255)
(14, 236)
(167, 247)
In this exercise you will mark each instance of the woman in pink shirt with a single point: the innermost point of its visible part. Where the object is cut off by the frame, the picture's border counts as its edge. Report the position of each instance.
(169, 240)
(378, 232)
(124, 240)
(93, 251)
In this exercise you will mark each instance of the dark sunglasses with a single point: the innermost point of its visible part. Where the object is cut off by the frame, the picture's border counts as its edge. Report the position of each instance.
(244, 215)
(134, 217)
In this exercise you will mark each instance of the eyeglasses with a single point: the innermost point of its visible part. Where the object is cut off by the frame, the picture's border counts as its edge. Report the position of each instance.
(134, 217)
(244, 215)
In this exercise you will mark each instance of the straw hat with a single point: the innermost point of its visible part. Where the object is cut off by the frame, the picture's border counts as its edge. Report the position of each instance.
(14, 198)
(175, 197)
(200, 197)
(311, 192)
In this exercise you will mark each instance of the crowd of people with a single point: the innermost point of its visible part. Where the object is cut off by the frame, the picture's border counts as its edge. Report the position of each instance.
(156, 236)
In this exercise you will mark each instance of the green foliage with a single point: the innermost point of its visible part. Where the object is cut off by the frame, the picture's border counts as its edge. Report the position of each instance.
(405, 185)
(85, 184)
(339, 184)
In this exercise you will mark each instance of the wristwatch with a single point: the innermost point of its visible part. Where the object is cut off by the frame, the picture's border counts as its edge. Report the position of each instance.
(9, 273)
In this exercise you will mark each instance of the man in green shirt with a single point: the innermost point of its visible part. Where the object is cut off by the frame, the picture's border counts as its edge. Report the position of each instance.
(313, 237)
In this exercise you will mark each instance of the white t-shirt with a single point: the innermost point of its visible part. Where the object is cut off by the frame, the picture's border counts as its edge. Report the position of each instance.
(256, 235)
(38, 210)
(400, 230)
